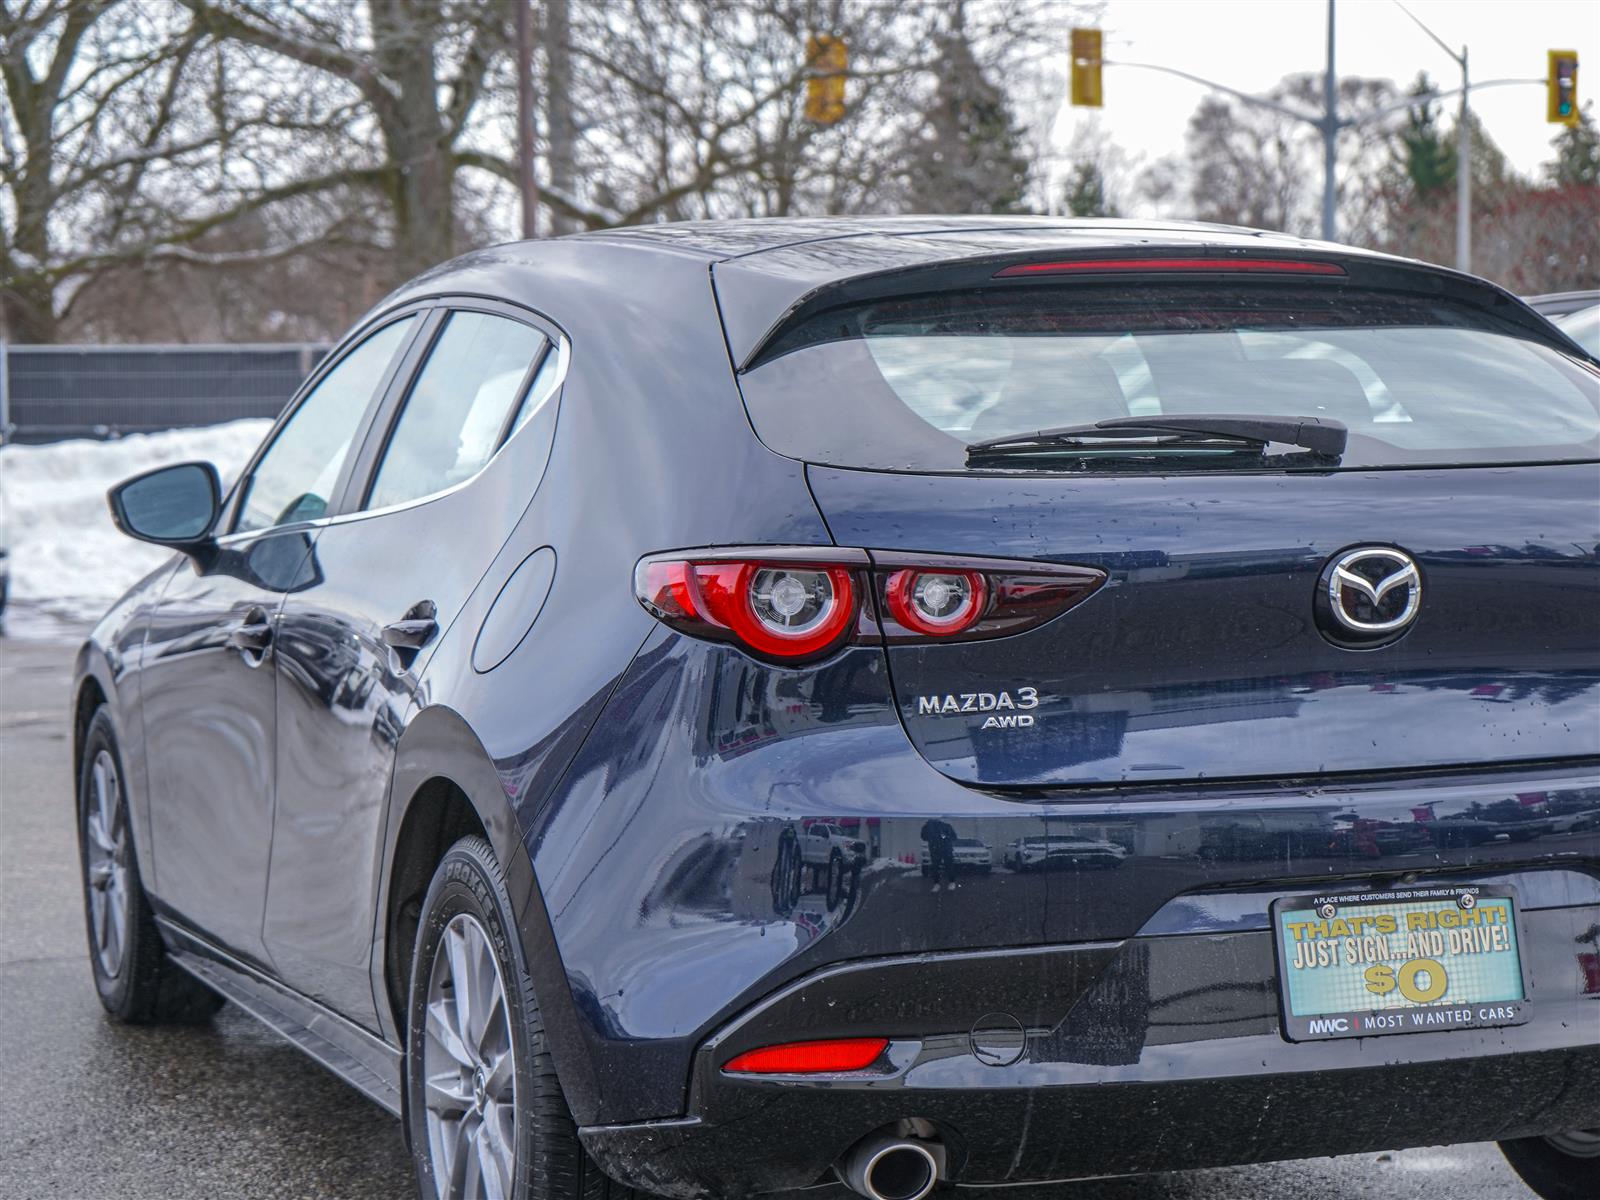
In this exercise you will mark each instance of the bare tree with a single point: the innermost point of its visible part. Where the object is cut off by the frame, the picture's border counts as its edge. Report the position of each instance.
(92, 113)
(396, 84)
(1252, 166)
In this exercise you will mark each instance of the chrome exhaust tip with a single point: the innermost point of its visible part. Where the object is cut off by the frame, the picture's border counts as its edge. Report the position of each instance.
(888, 1167)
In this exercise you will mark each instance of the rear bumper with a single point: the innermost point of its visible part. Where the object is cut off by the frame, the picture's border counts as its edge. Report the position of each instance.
(1080, 1131)
(1157, 1053)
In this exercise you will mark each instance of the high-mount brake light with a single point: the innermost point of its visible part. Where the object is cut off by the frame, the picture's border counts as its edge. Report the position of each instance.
(937, 603)
(809, 1058)
(795, 604)
(1093, 266)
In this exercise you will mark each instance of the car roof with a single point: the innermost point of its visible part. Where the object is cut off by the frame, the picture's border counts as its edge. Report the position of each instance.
(765, 271)
(806, 237)
(764, 268)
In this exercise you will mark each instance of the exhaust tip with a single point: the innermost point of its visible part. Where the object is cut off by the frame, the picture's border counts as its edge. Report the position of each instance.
(901, 1172)
(893, 1168)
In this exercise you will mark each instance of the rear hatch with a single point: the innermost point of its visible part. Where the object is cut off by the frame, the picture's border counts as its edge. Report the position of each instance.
(1212, 650)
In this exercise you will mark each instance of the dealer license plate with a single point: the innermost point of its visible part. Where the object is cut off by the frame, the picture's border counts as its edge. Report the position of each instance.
(1411, 961)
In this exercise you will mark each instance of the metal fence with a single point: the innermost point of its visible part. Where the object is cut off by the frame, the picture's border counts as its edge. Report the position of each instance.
(52, 392)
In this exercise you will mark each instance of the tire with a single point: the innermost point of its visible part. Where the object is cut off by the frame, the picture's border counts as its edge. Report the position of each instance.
(467, 900)
(1564, 1167)
(136, 980)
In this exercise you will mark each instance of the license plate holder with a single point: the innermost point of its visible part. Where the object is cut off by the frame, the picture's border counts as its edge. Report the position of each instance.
(1409, 960)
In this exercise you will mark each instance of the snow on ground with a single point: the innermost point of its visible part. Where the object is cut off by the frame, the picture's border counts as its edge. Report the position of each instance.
(67, 558)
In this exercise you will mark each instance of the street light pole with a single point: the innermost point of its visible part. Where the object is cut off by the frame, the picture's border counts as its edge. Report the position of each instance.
(1330, 141)
(1463, 146)
(1464, 173)
(525, 183)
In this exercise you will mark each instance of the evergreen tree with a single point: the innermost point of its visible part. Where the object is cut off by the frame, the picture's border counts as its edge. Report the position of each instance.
(1086, 191)
(967, 157)
(1577, 152)
(1428, 158)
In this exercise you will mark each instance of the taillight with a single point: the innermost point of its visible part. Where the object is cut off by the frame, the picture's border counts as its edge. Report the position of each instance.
(793, 604)
(779, 609)
(809, 1058)
(1240, 265)
(937, 603)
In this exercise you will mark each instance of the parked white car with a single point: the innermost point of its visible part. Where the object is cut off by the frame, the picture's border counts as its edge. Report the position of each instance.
(971, 855)
(1039, 853)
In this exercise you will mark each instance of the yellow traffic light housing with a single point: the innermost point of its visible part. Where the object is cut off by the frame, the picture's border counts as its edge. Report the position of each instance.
(828, 61)
(1561, 88)
(1086, 89)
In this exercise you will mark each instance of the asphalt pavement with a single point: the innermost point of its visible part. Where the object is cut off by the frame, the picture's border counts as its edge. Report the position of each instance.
(92, 1110)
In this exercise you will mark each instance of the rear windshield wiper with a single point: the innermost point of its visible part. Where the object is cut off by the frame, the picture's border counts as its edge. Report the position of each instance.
(1219, 432)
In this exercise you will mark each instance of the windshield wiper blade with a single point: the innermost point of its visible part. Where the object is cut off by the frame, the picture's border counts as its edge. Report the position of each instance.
(1221, 431)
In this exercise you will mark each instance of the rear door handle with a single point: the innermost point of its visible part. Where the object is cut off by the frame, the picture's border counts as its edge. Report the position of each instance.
(414, 630)
(252, 636)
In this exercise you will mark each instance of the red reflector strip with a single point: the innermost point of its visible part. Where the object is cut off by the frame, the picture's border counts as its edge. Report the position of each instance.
(1085, 266)
(809, 1058)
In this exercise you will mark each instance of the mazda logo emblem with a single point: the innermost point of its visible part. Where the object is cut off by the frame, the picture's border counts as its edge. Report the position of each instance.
(1368, 596)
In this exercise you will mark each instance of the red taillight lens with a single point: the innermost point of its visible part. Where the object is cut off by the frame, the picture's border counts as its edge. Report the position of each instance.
(789, 611)
(809, 1058)
(792, 605)
(937, 603)
(1089, 266)
(780, 610)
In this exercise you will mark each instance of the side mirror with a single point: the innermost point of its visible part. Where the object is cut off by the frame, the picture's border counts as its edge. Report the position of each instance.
(173, 506)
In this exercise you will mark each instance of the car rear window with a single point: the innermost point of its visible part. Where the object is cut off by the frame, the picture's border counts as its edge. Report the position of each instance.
(908, 383)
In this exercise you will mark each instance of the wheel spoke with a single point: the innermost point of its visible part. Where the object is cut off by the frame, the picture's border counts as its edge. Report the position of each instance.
(442, 1030)
(484, 999)
(99, 835)
(489, 1036)
(461, 982)
(100, 874)
(469, 1169)
(492, 1163)
(113, 801)
(499, 1133)
(447, 1095)
(118, 930)
(500, 1076)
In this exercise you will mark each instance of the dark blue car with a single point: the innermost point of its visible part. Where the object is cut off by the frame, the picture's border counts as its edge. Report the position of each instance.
(568, 726)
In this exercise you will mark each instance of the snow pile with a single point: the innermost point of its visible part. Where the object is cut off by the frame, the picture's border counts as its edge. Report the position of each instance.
(67, 558)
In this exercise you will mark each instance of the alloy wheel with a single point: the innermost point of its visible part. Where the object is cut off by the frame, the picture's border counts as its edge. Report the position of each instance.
(469, 1070)
(106, 864)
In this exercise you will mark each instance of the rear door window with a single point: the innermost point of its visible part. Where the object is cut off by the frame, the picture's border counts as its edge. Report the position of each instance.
(460, 409)
(908, 383)
(295, 479)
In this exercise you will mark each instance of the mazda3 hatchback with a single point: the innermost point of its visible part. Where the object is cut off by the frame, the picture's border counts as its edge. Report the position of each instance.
(550, 730)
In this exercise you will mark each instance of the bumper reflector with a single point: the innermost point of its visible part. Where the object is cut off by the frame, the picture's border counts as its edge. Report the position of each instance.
(809, 1058)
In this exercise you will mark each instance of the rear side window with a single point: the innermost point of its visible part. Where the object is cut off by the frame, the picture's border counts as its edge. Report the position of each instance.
(908, 383)
(460, 409)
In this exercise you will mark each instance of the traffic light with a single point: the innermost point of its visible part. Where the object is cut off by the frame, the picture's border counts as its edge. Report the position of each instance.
(1561, 88)
(828, 59)
(1086, 68)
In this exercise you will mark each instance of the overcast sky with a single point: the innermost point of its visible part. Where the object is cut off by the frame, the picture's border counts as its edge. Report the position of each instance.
(1251, 44)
